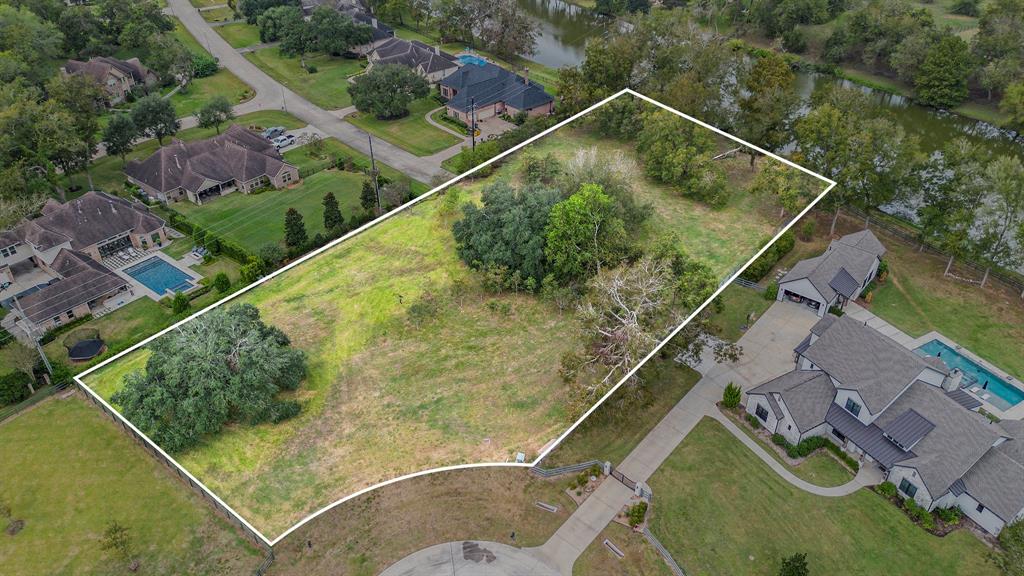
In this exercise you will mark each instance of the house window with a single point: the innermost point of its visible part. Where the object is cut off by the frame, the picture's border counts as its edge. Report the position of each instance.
(71, 314)
(761, 412)
(286, 177)
(908, 488)
(980, 508)
(9, 251)
(852, 407)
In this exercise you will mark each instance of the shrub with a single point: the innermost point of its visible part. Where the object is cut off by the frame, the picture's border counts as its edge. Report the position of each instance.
(203, 65)
(835, 311)
(779, 440)
(772, 291)
(52, 333)
(180, 303)
(951, 515)
(842, 455)
(808, 229)
(251, 272)
(753, 421)
(284, 410)
(13, 387)
(793, 40)
(213, 243)
(311, 69)
(636, 513)
(760, 267)
(1011, 540)
(887, 489)
(221, 282)
(731, 396)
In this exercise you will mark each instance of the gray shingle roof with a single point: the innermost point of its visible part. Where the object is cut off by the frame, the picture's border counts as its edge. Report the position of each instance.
(908, 428)
(83, 279)
(855, 253)
(997, 480)
(862, 359)
(236, 154)
(844, 284)
(960, 437)
(868, 437)
(822, 325)
(488, 84)
(807, 395)
(414, 54)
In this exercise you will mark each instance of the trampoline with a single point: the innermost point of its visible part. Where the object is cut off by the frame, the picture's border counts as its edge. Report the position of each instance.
(84, 344)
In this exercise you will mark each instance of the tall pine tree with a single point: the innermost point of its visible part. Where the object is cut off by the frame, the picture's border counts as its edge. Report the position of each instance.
(294, 229)
(333, 220)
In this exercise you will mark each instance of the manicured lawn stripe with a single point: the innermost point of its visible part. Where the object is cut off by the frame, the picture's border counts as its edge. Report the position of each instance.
(239, 34)
(412, 132)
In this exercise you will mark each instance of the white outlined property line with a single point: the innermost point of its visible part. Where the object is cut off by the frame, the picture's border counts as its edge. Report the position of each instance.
(551, 445)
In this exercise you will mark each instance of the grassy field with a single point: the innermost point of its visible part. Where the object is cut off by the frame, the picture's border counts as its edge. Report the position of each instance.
(720, 510)
(188, 101)
(108, 171)
(254, 220)
(367, 534)
(326, 88)
(641, 559)
(412, 133)
(220, 14)
(333, 148)
(741, 307)
(473, 377)
(68, 471)
(610, 434)
(239, 34)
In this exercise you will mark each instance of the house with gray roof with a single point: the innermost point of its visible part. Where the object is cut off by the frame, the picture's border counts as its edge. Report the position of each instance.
(54, 262)
(429, 62)
(117, 77)
(904, 413)
(236, 159)
(488, 90)
(835, 277)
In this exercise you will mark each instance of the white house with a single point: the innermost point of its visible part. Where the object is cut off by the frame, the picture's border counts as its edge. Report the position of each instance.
(902, 412)
(836, 276)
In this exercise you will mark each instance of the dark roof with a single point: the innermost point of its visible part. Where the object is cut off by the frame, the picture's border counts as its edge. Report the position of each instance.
(964, 399)
(803, 345)
(806, 394)
(854, 253)
(84, 221)
(997, 480)
(82, 280)
(844, 284)
(415, 55)
(488, 84)
(862, 359)
(236, 154)
(908, 428)
(822, 325)
(868, 437)
(98, 68)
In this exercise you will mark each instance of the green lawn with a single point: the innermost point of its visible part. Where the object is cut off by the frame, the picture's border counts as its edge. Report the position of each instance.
(610, 433)
(334, 148)
(188, 101)
(68, 471)
(720, 510)
(239, 34)
(641, 559)
(205, 3)
(221, 14)
(108, 174)
(327, 88)
(412, 132)
(741, 307)
(254, 220)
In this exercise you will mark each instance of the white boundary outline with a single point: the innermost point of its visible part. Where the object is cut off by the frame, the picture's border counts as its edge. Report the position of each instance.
(552, 445)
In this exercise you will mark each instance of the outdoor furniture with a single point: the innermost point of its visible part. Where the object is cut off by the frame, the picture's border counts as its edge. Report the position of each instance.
(976, 389)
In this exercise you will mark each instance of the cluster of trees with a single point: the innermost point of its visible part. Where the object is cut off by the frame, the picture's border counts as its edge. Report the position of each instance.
(225, 366)
(327, 30)
(901, 38)
(563, 235)
(387, 90)
(496, 25)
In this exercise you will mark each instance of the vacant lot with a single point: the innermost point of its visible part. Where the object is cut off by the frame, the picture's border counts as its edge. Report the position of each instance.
(201, 90)
(255, 220)
(413, 365)
(239, 34)
(412, 132)
(68, 471)
(327, 87)
(720, 510)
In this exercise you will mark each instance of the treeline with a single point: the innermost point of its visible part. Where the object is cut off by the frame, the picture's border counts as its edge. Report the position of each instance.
(327, 30)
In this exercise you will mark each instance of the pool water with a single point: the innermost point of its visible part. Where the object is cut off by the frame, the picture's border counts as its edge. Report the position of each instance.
(471, 59)
(1004, 394)
(160, 276)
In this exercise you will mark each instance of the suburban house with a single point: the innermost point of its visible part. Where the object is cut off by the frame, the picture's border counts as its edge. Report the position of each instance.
(54, 263)
(237, 159)
(117, 77)
(429, 62)
(904, 413)
(835, 277)
(490, 90)
(379, 32)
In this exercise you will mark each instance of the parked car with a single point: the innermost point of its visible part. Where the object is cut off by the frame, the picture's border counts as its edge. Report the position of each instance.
(283, 141)
(273, 132)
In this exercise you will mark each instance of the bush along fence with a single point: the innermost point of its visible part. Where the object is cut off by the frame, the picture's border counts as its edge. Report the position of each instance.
(908, 233)
(208, 496)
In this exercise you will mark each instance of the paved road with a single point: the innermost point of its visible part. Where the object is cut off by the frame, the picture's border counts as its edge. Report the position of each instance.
(768, 348)
(270, 95)
(470, 559)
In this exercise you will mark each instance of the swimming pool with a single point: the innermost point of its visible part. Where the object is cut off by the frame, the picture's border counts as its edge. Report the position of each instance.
(1003, 394)
(160, 276)
(471, 59)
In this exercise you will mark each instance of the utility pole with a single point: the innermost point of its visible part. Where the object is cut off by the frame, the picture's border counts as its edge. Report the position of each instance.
(472, 125)
(373, 169)
(284, 101)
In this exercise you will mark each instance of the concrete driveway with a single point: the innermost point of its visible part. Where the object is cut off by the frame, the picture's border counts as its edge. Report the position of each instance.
(470, 558)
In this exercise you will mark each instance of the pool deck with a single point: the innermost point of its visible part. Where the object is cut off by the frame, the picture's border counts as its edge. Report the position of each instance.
(862, 314)
(140, 288)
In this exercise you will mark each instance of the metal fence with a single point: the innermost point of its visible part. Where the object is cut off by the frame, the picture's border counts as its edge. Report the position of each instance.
(665, 554)
(157, 453)
(552, 472)
(41, 394)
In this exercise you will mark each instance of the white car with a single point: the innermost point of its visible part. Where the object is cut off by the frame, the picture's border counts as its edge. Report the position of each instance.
(283, 141)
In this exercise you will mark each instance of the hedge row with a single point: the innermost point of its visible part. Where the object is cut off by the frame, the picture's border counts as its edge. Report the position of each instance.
(52, 333)
(13, 388)
(760, 267)
(809, 445)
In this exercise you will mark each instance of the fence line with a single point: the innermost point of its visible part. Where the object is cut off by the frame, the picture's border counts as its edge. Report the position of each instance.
(42, 393)
(152, 448)
(552, 472)
(1008, 278)
(265, 565)
(665, 554)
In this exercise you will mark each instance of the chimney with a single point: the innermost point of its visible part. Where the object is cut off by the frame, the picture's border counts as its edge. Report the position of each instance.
(437, 50)
(526, 76)
(373, 22)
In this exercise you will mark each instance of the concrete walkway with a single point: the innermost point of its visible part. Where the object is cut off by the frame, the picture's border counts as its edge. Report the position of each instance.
(470, 559)
(768, 347)
(440, 126)
(861, 314)
(271, 95)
